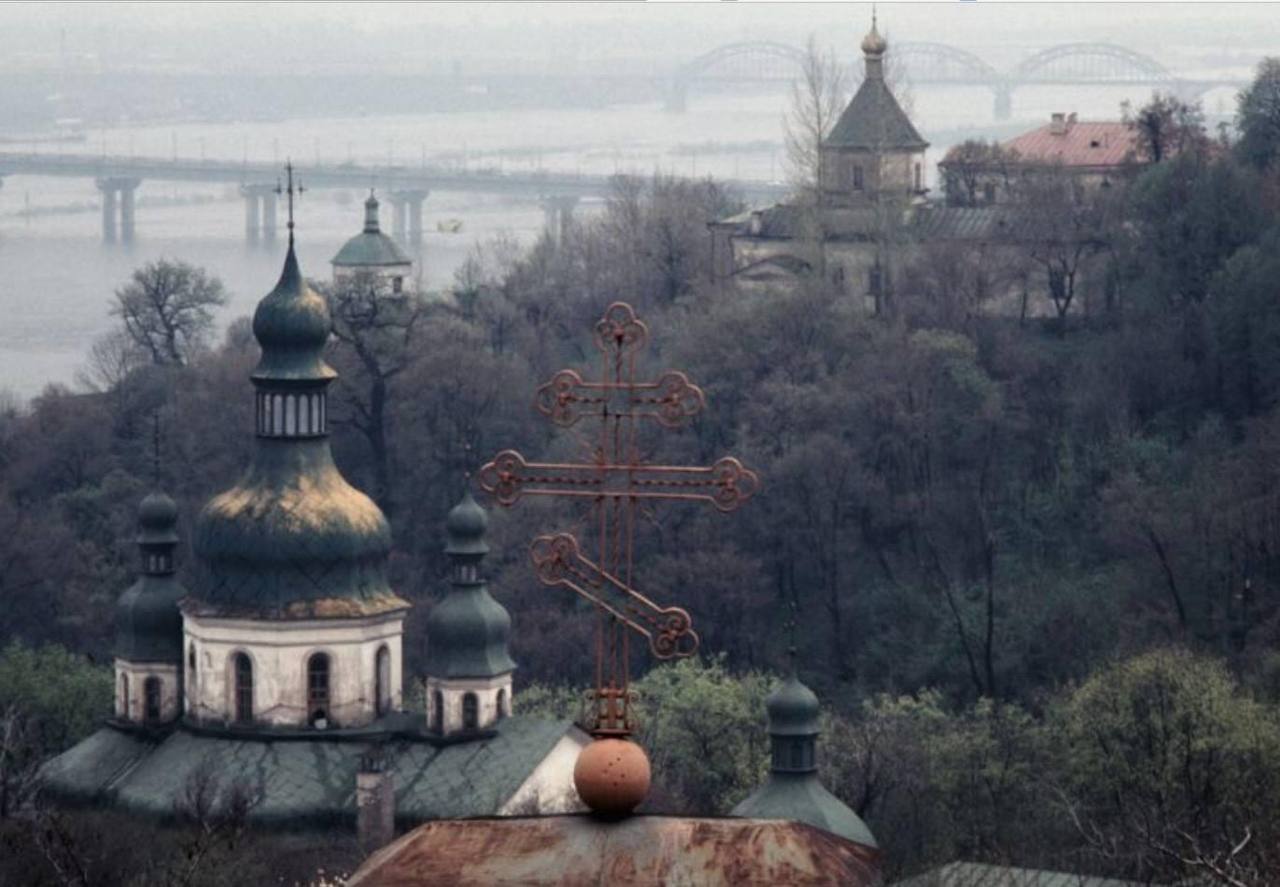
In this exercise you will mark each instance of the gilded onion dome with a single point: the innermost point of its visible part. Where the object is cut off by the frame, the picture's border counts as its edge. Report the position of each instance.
(467, 631)
(148, 622)
(873, 43)
(292, 539)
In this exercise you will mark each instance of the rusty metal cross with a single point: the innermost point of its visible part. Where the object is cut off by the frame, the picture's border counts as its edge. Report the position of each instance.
(615, 481)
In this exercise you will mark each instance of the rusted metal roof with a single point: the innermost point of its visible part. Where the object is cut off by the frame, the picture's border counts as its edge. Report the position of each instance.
(575, 851)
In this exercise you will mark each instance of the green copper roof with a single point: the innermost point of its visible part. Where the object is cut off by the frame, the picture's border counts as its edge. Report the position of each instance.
(292, 539)
(467, 631)
(303, 782)
(292, 325)
(147, 620)
(801, 797)
(793, 709)
(370, 248)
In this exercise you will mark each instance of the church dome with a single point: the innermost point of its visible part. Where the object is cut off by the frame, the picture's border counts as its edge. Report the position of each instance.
(873, 43)
(292, 325)
(793, 709)
(371, 249)
(147, 620)
(467, 632)
(157, 519)
(292, 539)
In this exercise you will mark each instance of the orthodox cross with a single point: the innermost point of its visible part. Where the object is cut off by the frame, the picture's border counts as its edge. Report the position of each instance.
(615, 481)
(290, 189)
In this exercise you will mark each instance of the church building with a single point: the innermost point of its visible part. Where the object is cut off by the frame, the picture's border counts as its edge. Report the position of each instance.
(280, 670)
(372, 253)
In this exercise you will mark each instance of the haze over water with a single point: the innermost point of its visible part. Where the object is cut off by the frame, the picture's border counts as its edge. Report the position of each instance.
(57, 277)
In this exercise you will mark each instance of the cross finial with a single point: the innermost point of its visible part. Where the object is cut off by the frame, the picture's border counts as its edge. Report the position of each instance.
(290, 189)
(873, 16)
(792, 626)
(155, 446)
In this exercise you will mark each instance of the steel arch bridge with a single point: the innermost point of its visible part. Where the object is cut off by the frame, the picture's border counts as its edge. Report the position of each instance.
(1071, 64)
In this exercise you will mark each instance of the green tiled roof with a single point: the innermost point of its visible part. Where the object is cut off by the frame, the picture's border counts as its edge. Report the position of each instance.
(874, 121)
(370, 249)
(304, 781)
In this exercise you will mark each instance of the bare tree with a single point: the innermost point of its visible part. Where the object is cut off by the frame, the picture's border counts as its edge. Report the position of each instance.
(817, 98)
(167, 309)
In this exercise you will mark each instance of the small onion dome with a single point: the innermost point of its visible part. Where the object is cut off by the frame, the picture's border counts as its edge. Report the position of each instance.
(371, 248)
(147, 620)
(793, 709)
(873, 43)
(157, 520)
(466, 526)
(467, 632)
(292, 325)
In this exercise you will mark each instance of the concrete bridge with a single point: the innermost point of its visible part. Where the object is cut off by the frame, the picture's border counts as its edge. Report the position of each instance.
(405, 188)
(939, 64)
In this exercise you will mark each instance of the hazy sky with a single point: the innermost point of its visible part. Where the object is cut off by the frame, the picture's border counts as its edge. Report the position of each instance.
(277, 36)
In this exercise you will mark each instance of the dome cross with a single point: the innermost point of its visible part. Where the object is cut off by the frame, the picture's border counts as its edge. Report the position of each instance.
(290, 190)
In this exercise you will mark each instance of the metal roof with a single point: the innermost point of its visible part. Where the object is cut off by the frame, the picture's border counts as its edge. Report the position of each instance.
(575, 851)
(370, 249)
(874, 121)
(304, 780)
(976, 874)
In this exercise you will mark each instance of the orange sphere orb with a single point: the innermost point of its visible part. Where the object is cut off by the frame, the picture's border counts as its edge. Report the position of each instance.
(612, 776)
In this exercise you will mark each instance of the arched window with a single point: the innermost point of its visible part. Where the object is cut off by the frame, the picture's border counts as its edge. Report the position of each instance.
(470, 712)
(382, 680)
(151, 700)
(124, 696)
(502, 702)
(437, 711)
(244, 689)
(318, 689)
(857, 177)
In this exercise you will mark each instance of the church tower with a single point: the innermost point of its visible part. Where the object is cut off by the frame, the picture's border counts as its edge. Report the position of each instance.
(792, 789)
(148, 644)
(373, 254)
(468, 665)
(874, 150)
(292, 623)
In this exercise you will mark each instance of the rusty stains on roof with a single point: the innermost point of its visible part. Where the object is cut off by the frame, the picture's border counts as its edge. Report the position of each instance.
(640, 850)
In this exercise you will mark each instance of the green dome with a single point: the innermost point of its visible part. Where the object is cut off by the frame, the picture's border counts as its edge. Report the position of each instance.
(157, 520)
(370, 248)
(466, 526)
(148, 621)
(293, 539)
(793, 709)
(292, 325)
(801, 797)
(467, 632)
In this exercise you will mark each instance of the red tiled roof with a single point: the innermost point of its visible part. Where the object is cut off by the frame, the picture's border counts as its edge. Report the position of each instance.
(1109, 143)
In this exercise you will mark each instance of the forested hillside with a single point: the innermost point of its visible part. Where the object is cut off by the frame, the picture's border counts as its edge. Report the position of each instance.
(1034, 566)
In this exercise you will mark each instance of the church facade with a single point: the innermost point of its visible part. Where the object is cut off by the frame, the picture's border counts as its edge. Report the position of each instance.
(279, 671)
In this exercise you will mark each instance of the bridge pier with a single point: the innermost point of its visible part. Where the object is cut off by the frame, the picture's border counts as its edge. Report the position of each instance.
(558, 211)
(1004, 101)
(407, 215)
(118, 201)
(259, 212)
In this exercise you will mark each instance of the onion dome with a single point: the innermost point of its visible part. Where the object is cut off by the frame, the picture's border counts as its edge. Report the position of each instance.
(148, 622)
(792, 789)
(793, 710)
(292, 539)
(467, 631)
(292, 325)
(371, 249)
(873, 44)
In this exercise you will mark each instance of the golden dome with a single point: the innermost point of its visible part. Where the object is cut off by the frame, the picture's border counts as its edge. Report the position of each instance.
(873, 43)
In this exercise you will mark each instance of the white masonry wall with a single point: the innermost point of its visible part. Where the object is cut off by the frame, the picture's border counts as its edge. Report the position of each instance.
(279, 651)
(452, 691)
(131, 680)
(549, 788)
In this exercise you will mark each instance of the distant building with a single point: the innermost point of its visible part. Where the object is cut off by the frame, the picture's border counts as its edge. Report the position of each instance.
(281, 666)
(371, 252)
(1095, 154)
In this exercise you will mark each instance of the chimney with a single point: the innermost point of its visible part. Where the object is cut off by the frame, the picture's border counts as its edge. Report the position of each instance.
(1071, 119)
(375, 803)
(1058, 124)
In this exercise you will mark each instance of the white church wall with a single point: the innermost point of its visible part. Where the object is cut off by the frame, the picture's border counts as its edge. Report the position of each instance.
(131, 690)
(549, 788)
(279, 652)
(452, 692)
